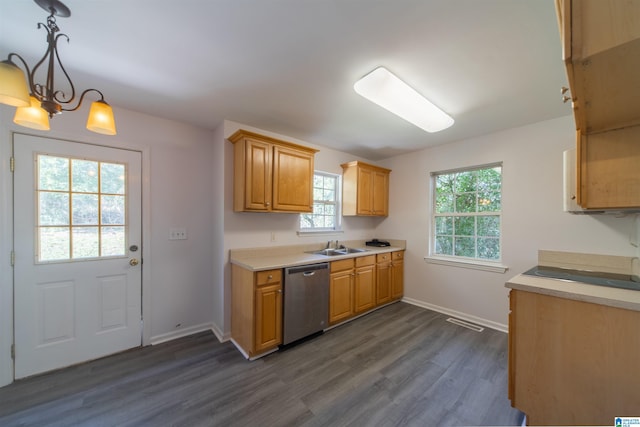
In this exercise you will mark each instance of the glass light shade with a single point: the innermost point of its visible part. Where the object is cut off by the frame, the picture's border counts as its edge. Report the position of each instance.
(33, 117)
(388, 91)
(13, 85)
(101, 119)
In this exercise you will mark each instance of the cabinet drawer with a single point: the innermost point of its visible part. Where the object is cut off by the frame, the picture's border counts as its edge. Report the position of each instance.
(365, 260)
(344, 264)
(397, 255)
(383, 257)
(268, 277)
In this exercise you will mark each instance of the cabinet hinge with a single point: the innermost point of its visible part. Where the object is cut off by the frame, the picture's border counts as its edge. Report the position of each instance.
(13, 351)
(12, 164)
(13, 258)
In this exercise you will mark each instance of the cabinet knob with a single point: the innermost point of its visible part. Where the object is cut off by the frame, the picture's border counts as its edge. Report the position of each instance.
(267, 204)
(270, 276)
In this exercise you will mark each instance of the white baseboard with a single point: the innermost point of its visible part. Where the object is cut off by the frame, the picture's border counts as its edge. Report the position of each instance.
(183, 332)
(222, 337)
(464, 316)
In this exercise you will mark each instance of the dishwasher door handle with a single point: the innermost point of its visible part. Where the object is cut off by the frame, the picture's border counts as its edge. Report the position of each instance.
(308, 273)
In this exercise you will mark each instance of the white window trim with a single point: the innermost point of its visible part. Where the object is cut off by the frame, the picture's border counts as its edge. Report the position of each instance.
(327, 231)
(474, 264)
(457, 261)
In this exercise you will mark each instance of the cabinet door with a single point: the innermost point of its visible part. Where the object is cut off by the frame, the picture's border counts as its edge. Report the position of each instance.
(257, 191)
(380, 194)
(365, 191)
(383, 279)
(292, 180)
(397, 279)
(340, 296)
(609, 169)
(364, 289)
(268, 332)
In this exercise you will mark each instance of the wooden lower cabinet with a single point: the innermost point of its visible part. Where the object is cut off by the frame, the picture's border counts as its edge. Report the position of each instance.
(360, 284)
(256, 309)
(397, 275)
(383, 278)
(341, 281)
(268, 317)
(572, 362)
(364, 295)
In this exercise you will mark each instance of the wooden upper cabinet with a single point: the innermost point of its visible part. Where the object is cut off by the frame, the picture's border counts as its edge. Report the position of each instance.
(271, 175)
(365, 189)
(601, 51)
(292, 179)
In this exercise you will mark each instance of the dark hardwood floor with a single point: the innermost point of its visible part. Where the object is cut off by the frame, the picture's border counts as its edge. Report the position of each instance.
(401, 365)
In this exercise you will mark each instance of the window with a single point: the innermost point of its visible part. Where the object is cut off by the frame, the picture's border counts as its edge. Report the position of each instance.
(326, 204)
(467, 213)
(80, 209)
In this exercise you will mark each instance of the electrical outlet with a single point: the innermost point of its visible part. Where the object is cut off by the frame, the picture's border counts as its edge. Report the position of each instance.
(178, 233)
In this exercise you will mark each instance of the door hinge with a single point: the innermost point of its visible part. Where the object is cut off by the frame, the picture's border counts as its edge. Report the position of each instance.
(13, 258)
(13, 351)
(12, 164)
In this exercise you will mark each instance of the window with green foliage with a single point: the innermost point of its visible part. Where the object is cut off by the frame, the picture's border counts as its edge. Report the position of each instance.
(326, 204)
(467, 213)
(81, 211)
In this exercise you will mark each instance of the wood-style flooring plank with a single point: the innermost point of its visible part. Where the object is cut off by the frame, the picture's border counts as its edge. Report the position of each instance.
(398, 366)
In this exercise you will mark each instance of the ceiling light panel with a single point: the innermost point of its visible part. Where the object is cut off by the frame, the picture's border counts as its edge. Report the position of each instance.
(385, 89)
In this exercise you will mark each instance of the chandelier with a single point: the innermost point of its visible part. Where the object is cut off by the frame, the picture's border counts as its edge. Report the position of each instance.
(37, 102)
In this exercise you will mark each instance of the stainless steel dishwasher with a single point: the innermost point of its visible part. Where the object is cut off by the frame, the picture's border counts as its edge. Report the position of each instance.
(306, 301)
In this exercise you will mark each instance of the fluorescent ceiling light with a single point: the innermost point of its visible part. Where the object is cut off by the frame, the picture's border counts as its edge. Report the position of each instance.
(388, 91)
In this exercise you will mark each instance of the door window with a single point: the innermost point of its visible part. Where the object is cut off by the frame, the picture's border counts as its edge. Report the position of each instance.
(81, 209)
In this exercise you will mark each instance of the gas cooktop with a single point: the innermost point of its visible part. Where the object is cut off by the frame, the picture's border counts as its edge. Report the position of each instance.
(582, 276)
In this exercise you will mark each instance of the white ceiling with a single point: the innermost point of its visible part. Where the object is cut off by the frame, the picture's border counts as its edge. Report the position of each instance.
(288, 66)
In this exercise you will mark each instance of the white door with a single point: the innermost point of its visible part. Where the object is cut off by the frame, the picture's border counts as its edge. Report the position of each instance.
(78, 234)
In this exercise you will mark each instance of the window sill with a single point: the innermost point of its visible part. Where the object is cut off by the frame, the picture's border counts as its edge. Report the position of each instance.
(475, 265)
(319, 233)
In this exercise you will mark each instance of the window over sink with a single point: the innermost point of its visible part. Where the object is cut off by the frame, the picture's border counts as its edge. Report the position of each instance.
(326, 205)
(467, 214)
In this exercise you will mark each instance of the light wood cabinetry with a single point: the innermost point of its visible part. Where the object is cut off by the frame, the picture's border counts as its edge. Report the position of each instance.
(256, 312)
(271, 175)
(389, 277)
(364, 294)
(341, 281)
(572, 362)
(397, 275)
(601, 52)
(383, 278)
(365, 189)
(360, 284)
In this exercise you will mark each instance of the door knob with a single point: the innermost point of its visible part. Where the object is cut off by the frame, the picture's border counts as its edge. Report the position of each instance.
(133, 262)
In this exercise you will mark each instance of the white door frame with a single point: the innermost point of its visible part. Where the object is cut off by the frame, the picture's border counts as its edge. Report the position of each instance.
(6, 235)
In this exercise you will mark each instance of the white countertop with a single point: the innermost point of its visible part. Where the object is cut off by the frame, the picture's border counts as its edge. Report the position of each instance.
(604, 295)
(271, 258)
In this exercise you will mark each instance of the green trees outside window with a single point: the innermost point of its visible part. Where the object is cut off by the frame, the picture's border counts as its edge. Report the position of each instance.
(467, 213)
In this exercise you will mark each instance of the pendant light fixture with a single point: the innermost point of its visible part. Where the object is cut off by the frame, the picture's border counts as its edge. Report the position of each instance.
(37, 102)
(385, 89)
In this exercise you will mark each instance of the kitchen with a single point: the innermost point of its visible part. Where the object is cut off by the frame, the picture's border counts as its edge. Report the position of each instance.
(191, 292)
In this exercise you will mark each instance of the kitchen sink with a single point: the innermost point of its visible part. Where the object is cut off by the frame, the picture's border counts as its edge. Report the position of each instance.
(337, 252)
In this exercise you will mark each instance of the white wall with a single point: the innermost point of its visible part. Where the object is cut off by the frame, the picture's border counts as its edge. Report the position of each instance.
(532, 216)
(179, 191)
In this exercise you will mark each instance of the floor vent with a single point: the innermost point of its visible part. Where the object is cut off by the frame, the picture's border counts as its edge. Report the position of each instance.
(464, 324)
